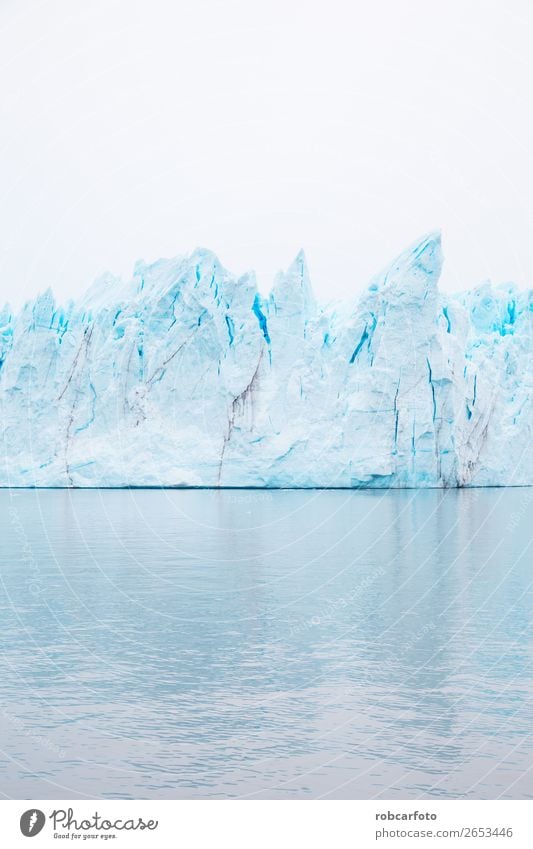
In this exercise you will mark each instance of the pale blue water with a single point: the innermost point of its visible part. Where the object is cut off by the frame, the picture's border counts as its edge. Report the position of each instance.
(266, 644)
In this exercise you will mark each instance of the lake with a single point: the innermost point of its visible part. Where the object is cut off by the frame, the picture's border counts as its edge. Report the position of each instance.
(266, 644)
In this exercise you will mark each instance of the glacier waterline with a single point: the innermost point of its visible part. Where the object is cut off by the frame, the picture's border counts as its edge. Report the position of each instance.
(187, 376)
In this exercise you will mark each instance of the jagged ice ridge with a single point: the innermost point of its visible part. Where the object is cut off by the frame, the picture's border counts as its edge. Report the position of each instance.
(186, 376)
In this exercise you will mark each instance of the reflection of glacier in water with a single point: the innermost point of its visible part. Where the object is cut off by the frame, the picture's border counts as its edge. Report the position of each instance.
(266, 644)
(186, 376)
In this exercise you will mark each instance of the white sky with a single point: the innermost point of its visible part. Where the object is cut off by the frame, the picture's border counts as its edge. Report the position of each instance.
(146, 128)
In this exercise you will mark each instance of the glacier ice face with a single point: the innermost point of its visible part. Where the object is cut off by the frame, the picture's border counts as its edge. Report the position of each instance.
(187, 376)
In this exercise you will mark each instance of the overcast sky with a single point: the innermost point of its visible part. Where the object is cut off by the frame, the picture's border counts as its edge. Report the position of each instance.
(146, 128)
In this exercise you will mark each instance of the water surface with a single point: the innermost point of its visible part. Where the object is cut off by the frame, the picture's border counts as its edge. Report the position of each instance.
(266, 644)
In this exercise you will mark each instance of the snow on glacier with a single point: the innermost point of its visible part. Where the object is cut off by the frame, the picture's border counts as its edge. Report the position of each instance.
(187, 376)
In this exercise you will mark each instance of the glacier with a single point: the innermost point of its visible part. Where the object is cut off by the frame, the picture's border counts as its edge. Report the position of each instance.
(186, 375)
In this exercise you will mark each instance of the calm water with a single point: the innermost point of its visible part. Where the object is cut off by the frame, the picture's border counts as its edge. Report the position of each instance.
(266, 644)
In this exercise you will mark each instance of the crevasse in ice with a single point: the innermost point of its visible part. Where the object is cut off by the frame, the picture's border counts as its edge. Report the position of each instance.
(187, 376)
